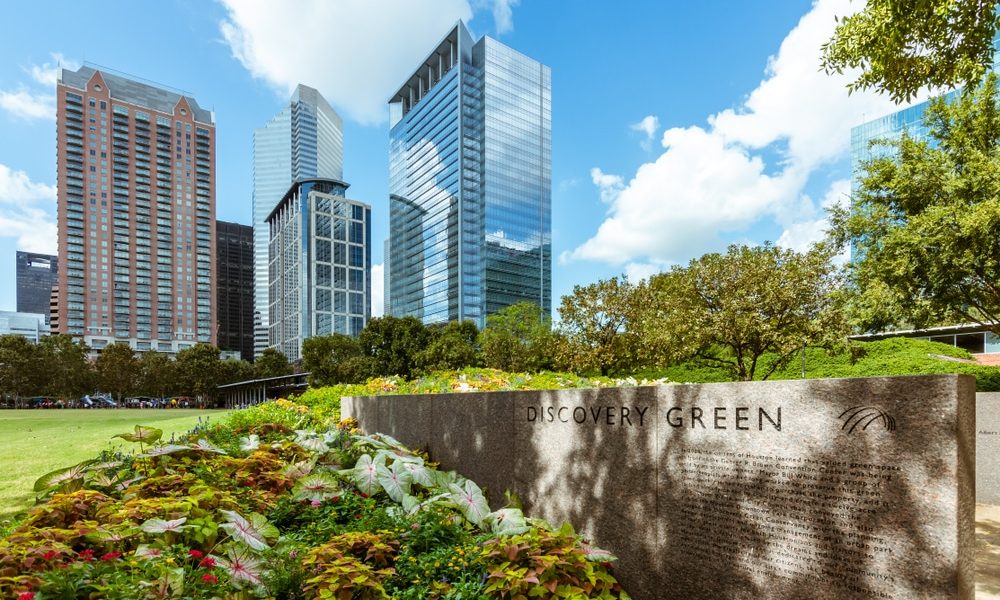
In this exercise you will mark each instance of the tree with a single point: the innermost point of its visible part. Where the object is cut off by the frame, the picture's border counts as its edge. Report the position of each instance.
(232, 370)
(730, 310)
(156, 374)
(597, 321)
(333, 359)
(197, 370)
(117, 370)
(64, 362)
(20, 372)
(904, 45)
(518, 338)
(452, 347)
(392, 344)
(271, 363)
(923, 222)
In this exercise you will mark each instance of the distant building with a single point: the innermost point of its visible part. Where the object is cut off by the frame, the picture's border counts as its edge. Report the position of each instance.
(234, 287)
(136, 213)
(28, 325)
(303, 141)
(37, 274)
(470, 183)
(320, 264)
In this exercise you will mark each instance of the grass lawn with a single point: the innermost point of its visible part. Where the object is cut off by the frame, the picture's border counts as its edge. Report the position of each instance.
(34, 442)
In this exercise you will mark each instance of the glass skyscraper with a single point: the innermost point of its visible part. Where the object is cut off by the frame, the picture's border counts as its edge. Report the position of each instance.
(303, 141)
(470, 171)
(320, 264)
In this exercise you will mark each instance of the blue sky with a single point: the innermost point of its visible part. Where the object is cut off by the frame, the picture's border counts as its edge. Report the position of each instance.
(677, 127)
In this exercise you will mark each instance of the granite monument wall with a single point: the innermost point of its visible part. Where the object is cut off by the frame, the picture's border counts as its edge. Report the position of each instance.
(988, 447)
(850, 488)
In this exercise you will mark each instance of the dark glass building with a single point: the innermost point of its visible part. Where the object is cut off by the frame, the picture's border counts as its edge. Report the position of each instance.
(470, 171)
(235, 287)
(37, 274)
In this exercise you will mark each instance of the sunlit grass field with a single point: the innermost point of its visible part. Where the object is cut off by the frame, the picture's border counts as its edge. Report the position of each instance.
(34, 442)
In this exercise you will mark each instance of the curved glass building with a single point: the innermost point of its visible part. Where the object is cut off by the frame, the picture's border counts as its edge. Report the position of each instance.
(470, 171)
(303, 141)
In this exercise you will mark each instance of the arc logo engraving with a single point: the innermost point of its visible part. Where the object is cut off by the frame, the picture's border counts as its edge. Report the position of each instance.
(861, 417)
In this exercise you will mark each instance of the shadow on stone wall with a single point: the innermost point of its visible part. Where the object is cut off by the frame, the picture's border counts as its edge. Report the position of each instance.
(682, 529)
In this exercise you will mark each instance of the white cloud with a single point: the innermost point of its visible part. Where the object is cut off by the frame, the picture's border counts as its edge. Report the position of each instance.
(716, 181)
(354, 54)
(799, 236)
(378, 293)
(638, 271)
(649, 125)
(610, 185)
(48, 73)
(25, 103)
(27, 211)
(503, 15)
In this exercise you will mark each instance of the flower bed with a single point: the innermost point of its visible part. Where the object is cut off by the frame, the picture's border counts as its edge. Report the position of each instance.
(275, 503)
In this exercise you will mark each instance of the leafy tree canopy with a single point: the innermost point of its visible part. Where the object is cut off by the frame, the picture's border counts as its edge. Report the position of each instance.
(117, 370)
(453, 346)
(924, 221)
(333, 359)
(392, 344)
(731, 309)
(904, 45)
(271, 363)
(598, 321)
(518, 338)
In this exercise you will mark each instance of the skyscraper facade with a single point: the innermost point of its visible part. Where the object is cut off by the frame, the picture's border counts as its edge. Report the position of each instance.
(36, 275)
(303, 141)
(470, 170)
(320, 264)
(234, 287)
(136, 213)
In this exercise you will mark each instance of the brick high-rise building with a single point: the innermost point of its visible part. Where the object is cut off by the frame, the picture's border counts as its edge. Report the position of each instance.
(234, 286)
(136, 208)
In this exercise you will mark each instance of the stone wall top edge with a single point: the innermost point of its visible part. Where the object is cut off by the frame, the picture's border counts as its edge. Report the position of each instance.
(717, 385)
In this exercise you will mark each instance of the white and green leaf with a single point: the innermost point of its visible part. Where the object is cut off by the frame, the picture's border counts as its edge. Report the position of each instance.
(316, 487)
(61, 476)
(250, 443)
(163, 526)
(141, 434)
(254, 531)
(506, 521)
(470, 501)
(395, 481)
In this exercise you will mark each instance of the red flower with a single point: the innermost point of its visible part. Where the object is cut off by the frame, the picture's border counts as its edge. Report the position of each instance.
(111, 556)
(195, 553)
(209, 578)
(207, 562)
(26, 596)
(50, 555)
(87, 555)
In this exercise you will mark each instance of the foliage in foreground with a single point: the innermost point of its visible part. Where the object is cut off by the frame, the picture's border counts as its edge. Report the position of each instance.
(273, 503)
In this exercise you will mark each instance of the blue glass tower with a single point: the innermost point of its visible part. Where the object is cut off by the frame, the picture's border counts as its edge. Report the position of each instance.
(303, 141)
(470, 171)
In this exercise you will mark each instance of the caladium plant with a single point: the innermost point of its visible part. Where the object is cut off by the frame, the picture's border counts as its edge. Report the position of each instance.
(142, 435)
(163, 526)
(243, 567)
(318, 487)
(506, 521)
(67, 478)
(250, 443)
(394, 480)
(254, 531)
(470, 501)
(365, 473)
